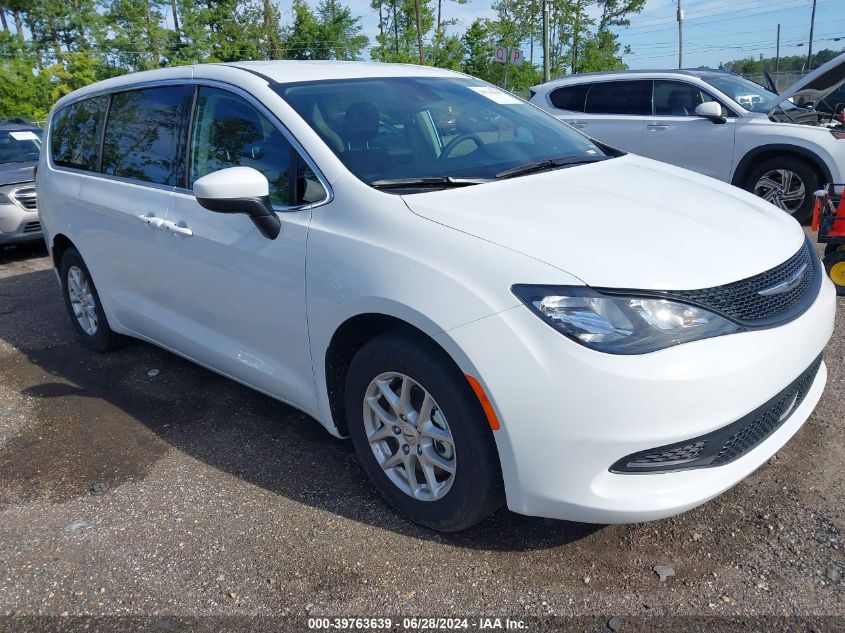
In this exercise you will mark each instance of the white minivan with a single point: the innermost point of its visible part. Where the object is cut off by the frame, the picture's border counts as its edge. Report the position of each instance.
(492, 306)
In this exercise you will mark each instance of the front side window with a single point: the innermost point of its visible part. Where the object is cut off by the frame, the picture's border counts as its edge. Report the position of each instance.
(229, 132)
(388, 128)
(677, 98)
(620, 97)
(570, 98)
(76, 132)
(145, 136)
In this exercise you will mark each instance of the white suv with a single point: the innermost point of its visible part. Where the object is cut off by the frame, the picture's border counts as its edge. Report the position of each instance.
(716, 123)
(489, 304)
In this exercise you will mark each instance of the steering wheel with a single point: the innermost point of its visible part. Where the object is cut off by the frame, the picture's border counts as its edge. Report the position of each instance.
(460, 138)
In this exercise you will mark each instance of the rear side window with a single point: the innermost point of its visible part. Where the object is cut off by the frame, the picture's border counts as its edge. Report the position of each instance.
(620, 97)
(228, 132)
(570, 97)
(145, 135)
(76, 132)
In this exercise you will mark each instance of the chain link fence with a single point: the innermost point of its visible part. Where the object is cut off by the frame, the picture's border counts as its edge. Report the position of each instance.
(782, 79)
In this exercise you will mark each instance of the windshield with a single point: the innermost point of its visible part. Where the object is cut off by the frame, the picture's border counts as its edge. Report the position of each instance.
(19, 146)
(746, 93)
(384, 129)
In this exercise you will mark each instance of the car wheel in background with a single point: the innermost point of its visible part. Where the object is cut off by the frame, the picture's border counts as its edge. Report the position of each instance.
(788, 183)
(834, 264)
(421, 434)
(83, 304)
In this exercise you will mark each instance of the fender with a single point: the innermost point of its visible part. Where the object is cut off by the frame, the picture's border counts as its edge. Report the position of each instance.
(747, 161)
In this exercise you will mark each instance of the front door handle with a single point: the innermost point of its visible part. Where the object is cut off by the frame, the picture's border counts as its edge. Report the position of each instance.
(175, 228)
(577, 124)
(657, 126)
(150, 220)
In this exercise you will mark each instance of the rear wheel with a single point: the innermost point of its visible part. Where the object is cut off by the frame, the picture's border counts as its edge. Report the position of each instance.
(788, 183)
(420, 433)
(84, 306)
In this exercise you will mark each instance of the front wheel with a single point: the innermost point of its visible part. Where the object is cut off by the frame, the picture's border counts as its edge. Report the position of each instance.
(421, 434)
(786, 182)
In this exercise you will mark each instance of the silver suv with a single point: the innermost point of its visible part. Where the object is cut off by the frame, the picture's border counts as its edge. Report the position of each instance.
(20, 144)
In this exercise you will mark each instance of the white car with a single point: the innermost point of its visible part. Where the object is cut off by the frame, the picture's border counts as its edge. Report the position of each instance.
(716, 123)
(492, 306)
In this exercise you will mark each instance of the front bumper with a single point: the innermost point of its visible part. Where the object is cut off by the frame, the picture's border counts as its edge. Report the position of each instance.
(569, 413)
(18, 224)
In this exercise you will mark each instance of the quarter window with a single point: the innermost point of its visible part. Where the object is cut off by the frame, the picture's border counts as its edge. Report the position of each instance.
(228, 132)
(570, 97)
(144, 136)
(76, 132)
(620, 97)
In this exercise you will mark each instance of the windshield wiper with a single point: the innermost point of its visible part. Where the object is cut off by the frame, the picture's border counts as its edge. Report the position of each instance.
(543, 165)
(426, 182)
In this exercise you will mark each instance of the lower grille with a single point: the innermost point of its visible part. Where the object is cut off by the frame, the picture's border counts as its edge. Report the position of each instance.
(25, 196)
(32, 227)
(728, 443)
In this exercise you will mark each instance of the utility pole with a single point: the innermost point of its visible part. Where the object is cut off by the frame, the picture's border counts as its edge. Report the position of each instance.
(810, 51)
(419, 34)
(681, 34)
(547, 72)
(777, 56)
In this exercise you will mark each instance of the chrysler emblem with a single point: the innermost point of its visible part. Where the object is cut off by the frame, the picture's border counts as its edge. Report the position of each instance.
(784, 286)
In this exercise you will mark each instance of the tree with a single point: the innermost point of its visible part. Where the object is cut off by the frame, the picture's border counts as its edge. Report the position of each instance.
(339, 31)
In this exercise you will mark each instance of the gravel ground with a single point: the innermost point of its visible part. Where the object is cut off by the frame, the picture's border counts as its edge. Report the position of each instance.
(183, 494)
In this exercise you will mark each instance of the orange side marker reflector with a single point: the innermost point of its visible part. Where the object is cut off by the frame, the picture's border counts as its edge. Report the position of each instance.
(492, 420)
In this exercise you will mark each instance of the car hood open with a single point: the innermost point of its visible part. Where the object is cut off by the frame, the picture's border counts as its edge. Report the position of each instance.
(13, 173)
(815, 86)
(629, 222)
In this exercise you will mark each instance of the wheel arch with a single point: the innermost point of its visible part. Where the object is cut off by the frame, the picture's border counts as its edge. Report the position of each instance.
(766, 152)
(61, 243)
(345, 342)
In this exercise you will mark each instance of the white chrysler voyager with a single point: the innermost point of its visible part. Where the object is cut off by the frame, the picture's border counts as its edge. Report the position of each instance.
(492, 306)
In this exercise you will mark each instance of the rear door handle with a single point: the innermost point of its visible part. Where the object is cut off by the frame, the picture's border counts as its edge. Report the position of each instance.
(172, 227)
(657, 126)
(577, 124)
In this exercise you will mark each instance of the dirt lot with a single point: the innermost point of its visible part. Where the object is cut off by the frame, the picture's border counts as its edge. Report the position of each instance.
(181, 493)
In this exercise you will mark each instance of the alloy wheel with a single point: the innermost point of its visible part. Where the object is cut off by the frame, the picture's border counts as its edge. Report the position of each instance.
(409, 436)
(82, 300)
(783, 188)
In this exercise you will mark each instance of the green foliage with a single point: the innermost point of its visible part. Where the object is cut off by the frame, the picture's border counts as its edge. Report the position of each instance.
(791, 63)
(52, 47)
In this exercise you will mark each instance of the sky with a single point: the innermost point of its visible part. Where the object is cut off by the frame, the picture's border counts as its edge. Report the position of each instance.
(714, 30)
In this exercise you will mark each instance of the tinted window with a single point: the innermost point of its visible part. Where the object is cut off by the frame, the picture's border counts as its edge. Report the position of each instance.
(145, 136)
(570, 97)
(620, 97)
(676, 98)
(76, 132)
(228, 132)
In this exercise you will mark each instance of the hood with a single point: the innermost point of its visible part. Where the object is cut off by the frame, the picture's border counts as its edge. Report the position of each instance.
(13, 173)
(629, 222)
(817, 85)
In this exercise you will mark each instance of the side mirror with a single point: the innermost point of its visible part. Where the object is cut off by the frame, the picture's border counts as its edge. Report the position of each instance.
(240, 190)
(710, 110)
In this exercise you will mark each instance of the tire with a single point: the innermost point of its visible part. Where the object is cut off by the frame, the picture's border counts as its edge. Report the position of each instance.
(834, 264)
(832, 248)
(802, 173)
(91, 324)
(442, 501)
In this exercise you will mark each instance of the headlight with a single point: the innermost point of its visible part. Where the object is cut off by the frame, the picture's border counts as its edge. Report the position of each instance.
(621, 324)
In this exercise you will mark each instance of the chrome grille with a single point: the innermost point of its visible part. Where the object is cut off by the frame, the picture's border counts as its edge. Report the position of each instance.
(25, 196)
